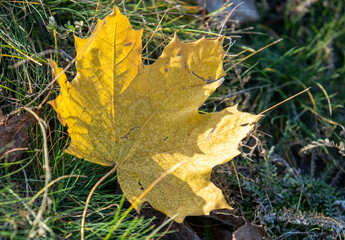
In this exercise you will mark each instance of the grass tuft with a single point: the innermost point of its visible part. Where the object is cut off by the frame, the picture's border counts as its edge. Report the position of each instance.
(291, 175)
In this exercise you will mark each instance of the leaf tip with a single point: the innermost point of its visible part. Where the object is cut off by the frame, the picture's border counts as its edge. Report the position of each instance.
(52, 64)
(175, 39)
(115, 11)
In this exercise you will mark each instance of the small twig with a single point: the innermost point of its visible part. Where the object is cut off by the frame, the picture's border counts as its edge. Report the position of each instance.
(82, 229)
(94, 16)
(328, 100)
(20, 51)
(228, 16)
(37, 220)
(276, 105)
(246, 57)
(237, 178)
(154, 32)
(226, 97)
(12, 150)
(326, 119)
(40, 54)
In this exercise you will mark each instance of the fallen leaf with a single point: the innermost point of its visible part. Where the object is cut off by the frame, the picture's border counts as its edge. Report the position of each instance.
(250, 232)
(14, 135)
(145, 117)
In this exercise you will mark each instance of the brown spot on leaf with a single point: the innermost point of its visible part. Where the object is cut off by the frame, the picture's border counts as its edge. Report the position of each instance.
(141, 186)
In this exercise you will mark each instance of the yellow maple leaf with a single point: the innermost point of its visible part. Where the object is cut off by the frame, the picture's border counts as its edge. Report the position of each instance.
(145, 118)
